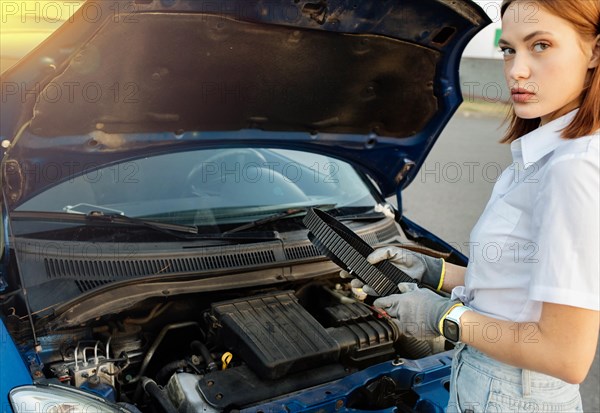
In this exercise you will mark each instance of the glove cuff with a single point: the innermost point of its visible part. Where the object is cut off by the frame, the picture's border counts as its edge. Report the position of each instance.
(434, 273)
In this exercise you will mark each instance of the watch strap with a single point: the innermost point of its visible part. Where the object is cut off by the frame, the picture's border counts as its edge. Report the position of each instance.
(457, 312)
(441, 322)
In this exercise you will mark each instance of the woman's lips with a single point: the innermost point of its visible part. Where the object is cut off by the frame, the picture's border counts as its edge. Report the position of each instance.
(520, 95)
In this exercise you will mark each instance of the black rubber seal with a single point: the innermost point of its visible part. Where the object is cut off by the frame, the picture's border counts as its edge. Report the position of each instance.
(336, 241)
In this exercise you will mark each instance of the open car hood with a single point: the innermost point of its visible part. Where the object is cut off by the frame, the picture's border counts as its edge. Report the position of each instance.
(372, 83)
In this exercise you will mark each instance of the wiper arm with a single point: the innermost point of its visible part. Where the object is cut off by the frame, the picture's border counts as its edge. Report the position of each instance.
(170, 228)
(188, 229)
(367, 216)
(124, 219)
(276, 217)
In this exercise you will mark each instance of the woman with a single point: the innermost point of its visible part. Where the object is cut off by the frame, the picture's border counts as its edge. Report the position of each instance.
(528, 328)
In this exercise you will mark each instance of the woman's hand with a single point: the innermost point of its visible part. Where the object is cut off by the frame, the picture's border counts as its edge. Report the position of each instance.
(422, 268)
(417, 311)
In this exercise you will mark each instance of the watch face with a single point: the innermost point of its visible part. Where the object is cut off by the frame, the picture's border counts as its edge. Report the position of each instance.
(451, 330)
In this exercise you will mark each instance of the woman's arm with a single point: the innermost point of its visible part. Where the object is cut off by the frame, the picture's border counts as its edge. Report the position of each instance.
(562, 344)
(454, 276)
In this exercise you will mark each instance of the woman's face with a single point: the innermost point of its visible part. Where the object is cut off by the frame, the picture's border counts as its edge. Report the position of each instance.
(545, 61)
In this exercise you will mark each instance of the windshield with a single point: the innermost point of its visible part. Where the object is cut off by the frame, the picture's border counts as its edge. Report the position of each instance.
(209, 187)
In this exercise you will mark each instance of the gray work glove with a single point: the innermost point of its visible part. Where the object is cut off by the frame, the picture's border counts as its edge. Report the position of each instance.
(417, 311)
(423, 268)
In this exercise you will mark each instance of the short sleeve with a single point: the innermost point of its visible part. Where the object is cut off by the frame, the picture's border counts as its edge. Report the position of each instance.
(566, 221)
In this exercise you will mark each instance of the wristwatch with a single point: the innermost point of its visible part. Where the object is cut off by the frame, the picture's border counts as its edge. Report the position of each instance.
(451, 323)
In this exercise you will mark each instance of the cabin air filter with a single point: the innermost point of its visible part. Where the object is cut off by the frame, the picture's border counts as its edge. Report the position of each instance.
(349, 251)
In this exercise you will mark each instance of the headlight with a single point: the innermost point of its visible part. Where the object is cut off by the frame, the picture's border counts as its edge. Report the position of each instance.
(58, 399)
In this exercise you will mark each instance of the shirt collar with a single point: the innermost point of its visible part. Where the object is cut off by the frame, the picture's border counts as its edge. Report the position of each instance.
(541, 141)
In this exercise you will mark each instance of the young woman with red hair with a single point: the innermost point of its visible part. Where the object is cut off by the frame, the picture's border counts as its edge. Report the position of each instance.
(526, 320)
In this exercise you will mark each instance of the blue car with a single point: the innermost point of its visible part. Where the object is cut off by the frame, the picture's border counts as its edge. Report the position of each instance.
(158, 159)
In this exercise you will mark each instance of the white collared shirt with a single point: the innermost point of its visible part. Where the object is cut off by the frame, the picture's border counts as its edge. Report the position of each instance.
(538, 239)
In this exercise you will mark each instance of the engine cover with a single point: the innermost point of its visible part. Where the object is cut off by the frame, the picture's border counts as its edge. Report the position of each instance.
(274, 334)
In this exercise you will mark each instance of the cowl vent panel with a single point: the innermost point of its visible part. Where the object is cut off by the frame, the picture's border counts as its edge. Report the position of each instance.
(112, 270)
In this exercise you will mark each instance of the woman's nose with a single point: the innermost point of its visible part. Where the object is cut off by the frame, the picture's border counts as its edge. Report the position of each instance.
(518, 67)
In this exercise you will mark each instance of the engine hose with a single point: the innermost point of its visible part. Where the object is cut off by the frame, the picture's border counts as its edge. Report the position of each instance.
(156, 343)
(165, 372)
(203, 350)
(152, 389)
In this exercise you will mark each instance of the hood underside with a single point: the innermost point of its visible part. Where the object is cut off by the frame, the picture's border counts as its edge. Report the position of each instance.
(235, 75)
(370, 82)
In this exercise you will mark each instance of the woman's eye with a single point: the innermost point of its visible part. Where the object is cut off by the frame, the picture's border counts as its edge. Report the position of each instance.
(506, 51)
(540, 47)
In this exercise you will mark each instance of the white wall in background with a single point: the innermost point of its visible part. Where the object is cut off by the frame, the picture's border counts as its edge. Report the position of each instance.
(484, 45)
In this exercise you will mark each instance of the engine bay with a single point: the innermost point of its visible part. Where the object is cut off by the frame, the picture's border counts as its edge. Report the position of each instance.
(237, 350)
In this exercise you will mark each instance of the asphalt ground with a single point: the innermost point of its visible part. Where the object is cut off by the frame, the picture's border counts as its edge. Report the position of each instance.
(453, 187)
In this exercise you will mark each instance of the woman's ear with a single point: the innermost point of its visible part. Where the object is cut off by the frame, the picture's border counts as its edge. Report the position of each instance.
(595, 60)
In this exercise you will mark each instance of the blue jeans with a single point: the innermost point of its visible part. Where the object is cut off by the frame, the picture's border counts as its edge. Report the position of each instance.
(482, 384)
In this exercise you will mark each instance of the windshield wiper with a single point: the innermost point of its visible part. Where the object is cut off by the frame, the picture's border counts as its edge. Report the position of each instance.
(366, 216)
(111, 218)
(117, 218)
(174, 230)
(276, 217)
(168, 228)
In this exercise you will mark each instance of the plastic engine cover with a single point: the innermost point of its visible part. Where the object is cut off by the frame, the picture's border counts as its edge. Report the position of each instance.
(274, 334)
